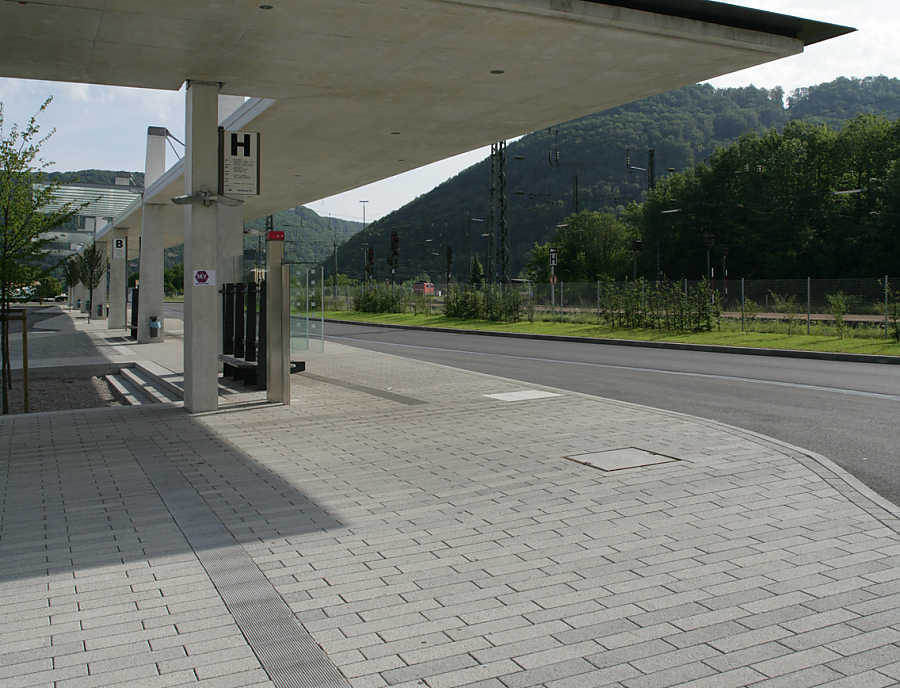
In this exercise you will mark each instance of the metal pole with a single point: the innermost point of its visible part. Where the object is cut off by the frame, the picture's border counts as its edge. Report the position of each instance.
(808, 292)
(552, 294)
(468, 249)
(742, 304)
(560, 301)
(886, 292)
(25, 358)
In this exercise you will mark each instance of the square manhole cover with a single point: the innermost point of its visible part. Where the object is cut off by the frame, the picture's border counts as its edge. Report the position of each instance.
(619, 459)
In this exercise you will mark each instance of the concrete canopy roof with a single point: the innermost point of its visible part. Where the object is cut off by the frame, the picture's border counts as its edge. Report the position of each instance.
(346, 93)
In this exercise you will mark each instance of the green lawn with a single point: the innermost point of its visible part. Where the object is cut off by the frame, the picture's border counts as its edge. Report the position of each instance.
(730, 336)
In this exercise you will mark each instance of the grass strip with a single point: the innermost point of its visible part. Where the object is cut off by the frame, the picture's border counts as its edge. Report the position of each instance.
(726, 337)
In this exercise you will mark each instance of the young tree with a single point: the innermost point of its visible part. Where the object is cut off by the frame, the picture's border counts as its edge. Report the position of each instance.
(24, 217)
(476, 278)
(48, 288)
(91, 270)
(70, 275)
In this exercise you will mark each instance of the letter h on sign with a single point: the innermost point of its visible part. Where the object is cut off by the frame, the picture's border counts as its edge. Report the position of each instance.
(235, 144)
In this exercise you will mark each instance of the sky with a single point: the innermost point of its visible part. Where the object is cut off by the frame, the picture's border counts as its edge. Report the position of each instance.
(105, 128)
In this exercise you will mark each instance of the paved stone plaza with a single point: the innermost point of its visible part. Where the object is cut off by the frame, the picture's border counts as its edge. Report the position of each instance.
(396, 526)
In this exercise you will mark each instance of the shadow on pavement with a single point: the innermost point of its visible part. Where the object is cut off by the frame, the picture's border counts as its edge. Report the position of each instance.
(85, 490)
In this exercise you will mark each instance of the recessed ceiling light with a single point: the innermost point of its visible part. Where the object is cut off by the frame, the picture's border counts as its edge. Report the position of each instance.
(395, 133)
(497, 71)
(265, 7)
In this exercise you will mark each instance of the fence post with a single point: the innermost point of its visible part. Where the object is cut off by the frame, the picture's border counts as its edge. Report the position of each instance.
(807, 304)
(742, 304)
(886, 292)
(598, 306)
(560, 301)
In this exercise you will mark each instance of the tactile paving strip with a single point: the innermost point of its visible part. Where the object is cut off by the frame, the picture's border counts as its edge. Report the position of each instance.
(286, 651)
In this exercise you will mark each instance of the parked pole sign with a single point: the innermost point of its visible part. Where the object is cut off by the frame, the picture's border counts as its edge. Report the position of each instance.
(553, 257)
(238, 162)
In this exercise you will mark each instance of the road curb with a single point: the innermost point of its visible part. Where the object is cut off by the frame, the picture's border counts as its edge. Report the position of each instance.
(675, 346)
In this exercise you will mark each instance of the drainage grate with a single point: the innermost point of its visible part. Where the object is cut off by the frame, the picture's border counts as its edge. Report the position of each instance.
(620, 459)
(286, 651)
(522, 396)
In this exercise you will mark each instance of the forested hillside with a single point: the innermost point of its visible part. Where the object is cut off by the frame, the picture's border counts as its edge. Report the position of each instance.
(308, 236)
(581, 165)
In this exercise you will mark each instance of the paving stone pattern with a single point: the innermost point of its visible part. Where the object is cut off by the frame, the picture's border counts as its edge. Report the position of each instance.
(442, 544)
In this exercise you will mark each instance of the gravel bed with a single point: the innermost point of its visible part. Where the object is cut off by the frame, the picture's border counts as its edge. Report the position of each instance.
(57, 394)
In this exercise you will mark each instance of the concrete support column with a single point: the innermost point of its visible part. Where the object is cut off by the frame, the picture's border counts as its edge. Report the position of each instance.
(152, 227)
(81, 292)
(202, 327)
(278, 332)
(98, 299)
(117, 269)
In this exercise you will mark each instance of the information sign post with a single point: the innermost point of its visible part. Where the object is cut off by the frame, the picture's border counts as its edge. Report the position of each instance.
(553, 280)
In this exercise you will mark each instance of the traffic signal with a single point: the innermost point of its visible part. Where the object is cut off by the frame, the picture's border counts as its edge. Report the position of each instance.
(371, 256)
(395, 244)
(449, 255)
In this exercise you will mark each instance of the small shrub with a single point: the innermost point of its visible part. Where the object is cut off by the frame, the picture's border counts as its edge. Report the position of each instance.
(379, 300)
(838, 305)
(751, 310)
(789, 307)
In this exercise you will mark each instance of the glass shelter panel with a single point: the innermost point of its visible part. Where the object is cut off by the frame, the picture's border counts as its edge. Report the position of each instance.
(307, 309)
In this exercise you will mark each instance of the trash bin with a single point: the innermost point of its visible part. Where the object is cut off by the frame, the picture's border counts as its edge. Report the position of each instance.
(155, 326)
(99, 310)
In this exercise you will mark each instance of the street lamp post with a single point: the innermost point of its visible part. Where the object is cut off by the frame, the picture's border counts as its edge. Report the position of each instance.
(637, 247)
(469, 221)
(724, 270)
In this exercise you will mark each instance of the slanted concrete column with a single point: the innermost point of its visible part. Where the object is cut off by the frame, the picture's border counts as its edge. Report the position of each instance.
(202, 327)
(152, 299)
(228, 104)
(117, 270)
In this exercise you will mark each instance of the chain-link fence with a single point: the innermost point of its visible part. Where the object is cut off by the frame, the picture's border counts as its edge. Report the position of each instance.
(802, 304)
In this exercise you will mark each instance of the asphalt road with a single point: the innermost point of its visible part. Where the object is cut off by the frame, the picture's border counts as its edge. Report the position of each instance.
(849, 412)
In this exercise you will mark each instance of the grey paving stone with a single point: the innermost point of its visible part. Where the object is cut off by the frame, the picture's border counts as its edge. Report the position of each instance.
(419, 541)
